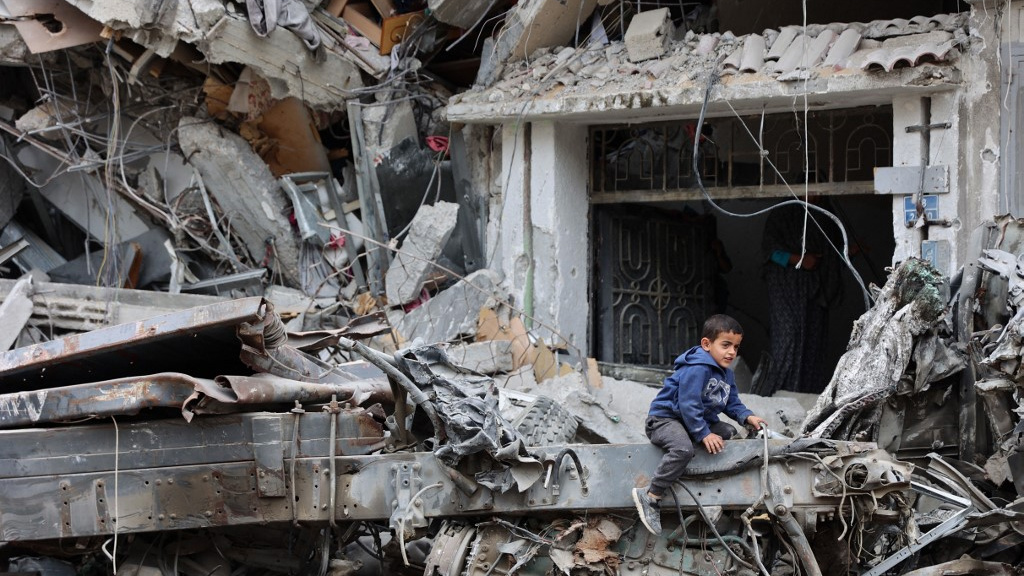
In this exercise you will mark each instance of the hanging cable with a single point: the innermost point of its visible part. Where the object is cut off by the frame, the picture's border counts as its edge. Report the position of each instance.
(844, 253)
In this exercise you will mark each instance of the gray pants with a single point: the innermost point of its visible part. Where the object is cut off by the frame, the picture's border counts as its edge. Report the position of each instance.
(671, 436)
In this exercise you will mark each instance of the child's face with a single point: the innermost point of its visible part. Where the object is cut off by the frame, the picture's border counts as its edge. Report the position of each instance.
(724, 348)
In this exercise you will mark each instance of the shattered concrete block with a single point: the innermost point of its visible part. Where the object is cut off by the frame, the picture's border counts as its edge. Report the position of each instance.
(207, 12)
(614, 414)
(41, 118)
(520, 379)
(530, 26)
(13, 50)
(491, 357)
(649, 35)
(244, 187)
(453, 313)
(387, 125)
(459, 13)
(430, 230)
(283, 59)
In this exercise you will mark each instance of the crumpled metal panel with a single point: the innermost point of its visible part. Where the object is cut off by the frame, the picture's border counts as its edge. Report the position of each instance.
(222, 395)
(203, 338)
(123, 396)
(228, 393)
(468, 407)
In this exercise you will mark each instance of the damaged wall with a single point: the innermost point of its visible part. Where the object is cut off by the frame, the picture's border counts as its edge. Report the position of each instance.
(544, 225)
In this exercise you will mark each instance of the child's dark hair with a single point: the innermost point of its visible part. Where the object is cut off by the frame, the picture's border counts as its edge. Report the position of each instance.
(719, 324)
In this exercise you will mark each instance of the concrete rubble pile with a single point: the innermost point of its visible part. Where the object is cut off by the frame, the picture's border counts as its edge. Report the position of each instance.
(250, 324)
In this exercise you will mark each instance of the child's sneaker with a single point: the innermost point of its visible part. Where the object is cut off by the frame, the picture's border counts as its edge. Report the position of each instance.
(650, 515)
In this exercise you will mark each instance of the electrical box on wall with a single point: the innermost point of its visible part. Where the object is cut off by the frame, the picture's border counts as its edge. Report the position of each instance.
(937, 252)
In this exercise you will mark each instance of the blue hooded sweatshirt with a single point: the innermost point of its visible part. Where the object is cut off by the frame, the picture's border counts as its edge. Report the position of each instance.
(697, 393)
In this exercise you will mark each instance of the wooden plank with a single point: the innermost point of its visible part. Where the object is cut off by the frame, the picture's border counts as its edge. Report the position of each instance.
(385, 7)
(360, 17)
(336, 7)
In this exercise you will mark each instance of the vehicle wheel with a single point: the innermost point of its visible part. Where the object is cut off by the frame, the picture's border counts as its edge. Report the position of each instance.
(546, 423)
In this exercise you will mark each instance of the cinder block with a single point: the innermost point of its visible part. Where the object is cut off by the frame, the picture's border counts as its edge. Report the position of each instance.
(649, 35)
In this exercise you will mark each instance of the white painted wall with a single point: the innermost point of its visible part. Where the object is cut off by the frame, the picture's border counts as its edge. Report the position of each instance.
(945, 150)
(906, 151)
(557, 215)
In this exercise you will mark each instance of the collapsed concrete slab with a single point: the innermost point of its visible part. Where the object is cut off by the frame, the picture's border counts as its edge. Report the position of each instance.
(459, 13)
(285, 61)
(531, 26)
(453, 313)
(83, 198)
(428, 234)
(245, 189)
(155, 25)
(491, 357)
(649, 35)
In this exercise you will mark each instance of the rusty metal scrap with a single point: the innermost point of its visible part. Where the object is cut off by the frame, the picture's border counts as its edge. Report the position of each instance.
(204, 335)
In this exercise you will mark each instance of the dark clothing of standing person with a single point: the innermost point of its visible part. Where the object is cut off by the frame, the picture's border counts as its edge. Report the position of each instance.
(799, 297)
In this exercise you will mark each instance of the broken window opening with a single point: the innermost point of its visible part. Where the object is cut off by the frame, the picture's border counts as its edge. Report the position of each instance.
(663, 261)
(844, 147)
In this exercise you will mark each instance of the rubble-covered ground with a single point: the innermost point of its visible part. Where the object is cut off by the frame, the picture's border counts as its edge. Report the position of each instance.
(249, 329)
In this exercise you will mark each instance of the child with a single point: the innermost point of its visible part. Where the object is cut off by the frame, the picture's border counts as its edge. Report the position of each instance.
(688, 406)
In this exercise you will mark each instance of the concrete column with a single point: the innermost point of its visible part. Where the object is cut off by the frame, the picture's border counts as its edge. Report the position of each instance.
(980, 111)
(561, 242)
(947, 151)
(906, 151)
(505, 244)
(542, 238)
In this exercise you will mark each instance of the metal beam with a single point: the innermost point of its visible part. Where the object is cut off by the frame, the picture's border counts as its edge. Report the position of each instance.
(190, 486)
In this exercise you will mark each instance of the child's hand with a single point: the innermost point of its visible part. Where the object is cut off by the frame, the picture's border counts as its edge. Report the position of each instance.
(756, 421)
(713, 443)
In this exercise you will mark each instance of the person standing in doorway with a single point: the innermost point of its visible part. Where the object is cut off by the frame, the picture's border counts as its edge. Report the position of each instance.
(801, 270)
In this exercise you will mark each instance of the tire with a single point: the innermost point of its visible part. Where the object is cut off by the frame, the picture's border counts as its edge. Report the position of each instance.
(546, 423)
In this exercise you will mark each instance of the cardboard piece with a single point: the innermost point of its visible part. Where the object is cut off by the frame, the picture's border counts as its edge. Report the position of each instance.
(492, 327)
(295, 144)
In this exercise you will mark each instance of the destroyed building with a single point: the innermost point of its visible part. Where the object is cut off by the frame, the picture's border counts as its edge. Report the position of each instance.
(385, 286)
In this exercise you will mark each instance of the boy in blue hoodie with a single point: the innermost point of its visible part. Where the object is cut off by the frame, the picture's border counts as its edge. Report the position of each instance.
(686, 410)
